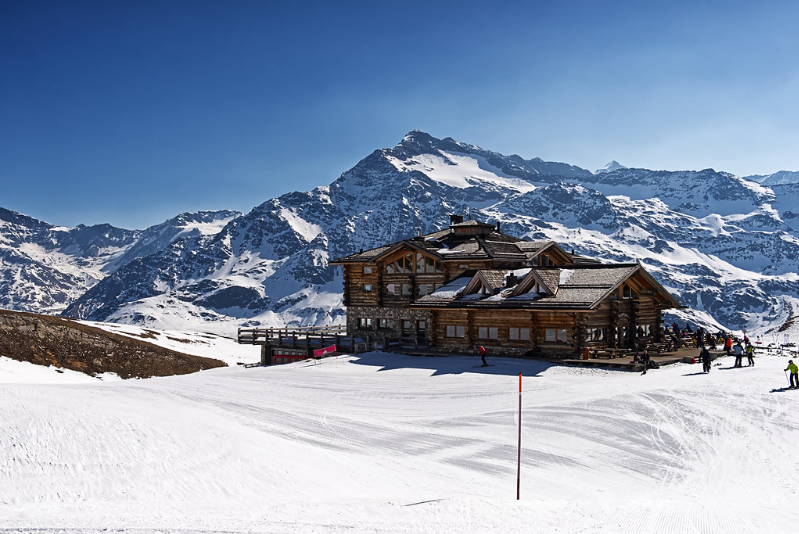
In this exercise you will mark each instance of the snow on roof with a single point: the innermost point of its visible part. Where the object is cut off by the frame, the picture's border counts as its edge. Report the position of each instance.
(451, 290)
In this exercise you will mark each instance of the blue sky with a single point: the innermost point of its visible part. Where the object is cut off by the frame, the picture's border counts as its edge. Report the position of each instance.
(130, 112)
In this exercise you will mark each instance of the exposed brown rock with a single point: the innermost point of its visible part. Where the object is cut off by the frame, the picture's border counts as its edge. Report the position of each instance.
(62, 342)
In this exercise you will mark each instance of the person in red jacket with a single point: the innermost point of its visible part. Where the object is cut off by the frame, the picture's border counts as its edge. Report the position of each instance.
(482, 351)
(728, 344)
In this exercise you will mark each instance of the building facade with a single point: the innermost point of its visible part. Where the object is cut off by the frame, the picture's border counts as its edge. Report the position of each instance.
(470, 284)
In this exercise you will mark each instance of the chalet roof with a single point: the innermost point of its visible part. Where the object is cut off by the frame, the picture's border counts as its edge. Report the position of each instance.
(550, 277)
(578, 287)
(493, 279)
(450, 245)
(471, 222)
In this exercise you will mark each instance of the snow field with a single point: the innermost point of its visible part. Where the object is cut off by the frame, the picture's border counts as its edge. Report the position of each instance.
(390, 443)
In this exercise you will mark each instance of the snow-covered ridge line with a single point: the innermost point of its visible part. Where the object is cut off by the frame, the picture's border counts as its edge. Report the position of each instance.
(727, 247)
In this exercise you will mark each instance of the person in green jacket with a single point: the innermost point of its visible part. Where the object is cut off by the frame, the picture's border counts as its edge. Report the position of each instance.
(750, 354)
(794, 374)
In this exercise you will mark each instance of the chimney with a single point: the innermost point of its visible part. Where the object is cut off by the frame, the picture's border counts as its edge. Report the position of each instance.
(498, 230)
(418, 232)
(510, 280)
(455, 219)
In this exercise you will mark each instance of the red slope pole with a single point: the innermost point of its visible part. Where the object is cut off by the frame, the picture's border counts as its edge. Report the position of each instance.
(519, 458)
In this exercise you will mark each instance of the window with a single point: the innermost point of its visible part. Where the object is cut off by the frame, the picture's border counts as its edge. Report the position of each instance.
(595, 334)
(405, 264)
(433, 266)
(402, 265)
(463, 266)
(559, 335)
(486, 332)
(385, 323)
(367, 287)
(364, 322)
(367, 270)
(390, 289)
(629, 293)
(456, 331)
(425, 289)
(406, 289)
(519, 334)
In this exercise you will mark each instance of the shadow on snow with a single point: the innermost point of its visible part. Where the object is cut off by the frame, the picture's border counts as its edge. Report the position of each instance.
(453, 365)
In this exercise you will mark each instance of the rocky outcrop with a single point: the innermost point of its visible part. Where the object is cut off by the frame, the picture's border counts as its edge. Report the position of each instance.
(64, 343)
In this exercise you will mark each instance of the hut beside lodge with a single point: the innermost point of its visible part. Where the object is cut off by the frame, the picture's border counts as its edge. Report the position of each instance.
(471, 285)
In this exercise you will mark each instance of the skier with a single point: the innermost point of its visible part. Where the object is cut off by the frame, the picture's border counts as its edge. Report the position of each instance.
(750, 354)
(739, 353)
(794, 374)
(705, 357)
(645, 360)
(482, 351)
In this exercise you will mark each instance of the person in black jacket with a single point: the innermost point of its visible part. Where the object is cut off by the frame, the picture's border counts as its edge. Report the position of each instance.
(705, 357)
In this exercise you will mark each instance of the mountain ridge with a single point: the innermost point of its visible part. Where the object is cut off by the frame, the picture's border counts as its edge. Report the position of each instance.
(726, 246)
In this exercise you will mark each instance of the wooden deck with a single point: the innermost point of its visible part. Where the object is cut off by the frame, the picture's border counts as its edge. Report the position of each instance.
(624, 360)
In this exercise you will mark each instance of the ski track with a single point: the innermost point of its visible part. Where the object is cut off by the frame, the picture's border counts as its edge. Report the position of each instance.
(603, 451)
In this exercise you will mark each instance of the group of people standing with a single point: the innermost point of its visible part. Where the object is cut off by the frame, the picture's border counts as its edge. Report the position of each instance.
(740, 350)
(706, 341)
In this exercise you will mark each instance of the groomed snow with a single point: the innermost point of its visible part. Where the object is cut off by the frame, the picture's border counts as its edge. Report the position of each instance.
(385, 443)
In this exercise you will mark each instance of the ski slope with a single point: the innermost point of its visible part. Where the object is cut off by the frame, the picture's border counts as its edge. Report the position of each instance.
(383, 443)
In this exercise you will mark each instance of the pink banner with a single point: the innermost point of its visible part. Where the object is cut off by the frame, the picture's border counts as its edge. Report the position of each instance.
(319, 353)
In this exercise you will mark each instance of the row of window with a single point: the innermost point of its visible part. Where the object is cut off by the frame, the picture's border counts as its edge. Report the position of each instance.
(489, 332)
(421, 264)
(405, 289)
(389, 324)
(550, 335)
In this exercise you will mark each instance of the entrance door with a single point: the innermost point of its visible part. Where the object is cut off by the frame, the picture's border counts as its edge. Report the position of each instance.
(421, 331)
(624, 337)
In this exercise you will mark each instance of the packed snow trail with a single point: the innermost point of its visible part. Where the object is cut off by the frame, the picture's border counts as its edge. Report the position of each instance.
(390, 443)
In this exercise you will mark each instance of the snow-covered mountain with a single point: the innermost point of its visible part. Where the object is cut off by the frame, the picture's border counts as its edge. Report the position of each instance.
(610, 167)
(726, 246)
(777, 178)
(44, 268)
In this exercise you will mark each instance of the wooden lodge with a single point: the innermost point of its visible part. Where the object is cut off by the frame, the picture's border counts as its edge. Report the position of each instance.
(470, 284)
